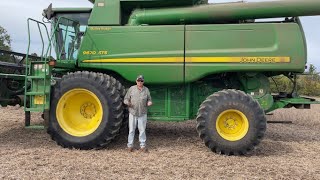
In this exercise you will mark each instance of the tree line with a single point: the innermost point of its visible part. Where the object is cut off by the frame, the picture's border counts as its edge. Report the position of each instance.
(5, 44)
(5, 40)
(307, 84)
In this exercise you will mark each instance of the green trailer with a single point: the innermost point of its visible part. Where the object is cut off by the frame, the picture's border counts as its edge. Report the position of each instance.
(209, 62)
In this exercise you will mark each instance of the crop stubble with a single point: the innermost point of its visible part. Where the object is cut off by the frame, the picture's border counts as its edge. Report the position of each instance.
(288, 151)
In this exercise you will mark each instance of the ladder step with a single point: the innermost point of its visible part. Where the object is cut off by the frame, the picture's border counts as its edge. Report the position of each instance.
(34, 109)
(38, 62)
(37, 77)
(36, 93)
(35, 127)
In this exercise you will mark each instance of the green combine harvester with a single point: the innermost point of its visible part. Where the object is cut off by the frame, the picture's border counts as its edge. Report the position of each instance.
(209, 62)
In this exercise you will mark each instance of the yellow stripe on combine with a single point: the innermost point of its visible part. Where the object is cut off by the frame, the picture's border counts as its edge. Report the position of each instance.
(195, 60)
(138, 60)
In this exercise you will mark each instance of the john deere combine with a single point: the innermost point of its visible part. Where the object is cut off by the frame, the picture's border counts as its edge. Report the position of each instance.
(205, 61)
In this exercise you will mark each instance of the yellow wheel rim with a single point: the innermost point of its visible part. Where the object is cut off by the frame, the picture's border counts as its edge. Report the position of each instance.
(232, 125)
(79, 112)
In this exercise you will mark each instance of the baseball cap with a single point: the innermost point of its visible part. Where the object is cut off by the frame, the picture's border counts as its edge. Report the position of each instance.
(140, 77)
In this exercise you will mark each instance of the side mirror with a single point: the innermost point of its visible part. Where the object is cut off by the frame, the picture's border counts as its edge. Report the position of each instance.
(48, 13)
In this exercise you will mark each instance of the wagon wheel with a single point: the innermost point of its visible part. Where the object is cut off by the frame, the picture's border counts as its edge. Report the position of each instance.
(231, 122)
(86, 110)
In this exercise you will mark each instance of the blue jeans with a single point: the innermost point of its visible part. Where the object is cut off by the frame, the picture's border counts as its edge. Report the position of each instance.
(142, 123)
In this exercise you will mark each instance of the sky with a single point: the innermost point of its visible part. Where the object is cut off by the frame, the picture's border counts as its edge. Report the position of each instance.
(14, 14)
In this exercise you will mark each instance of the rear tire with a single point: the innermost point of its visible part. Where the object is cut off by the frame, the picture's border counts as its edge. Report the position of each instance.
(86, 110)
(125, 121)
(231, 122)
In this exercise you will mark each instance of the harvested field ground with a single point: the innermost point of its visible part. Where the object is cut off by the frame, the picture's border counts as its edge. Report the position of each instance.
(288, 151)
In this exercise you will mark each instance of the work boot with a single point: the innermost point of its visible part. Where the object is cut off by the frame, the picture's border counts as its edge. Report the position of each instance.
(143, 149)
(130, 149)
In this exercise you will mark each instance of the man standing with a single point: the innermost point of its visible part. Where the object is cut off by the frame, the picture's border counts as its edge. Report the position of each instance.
(138, 99)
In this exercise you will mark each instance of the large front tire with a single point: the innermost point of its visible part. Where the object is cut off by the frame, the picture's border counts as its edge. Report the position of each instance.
(231, 122)
(86, 110)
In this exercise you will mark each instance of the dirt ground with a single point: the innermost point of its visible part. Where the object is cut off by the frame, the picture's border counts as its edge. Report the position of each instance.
(288, 151)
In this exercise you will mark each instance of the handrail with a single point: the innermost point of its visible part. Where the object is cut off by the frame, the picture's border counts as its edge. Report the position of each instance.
(28, 68)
